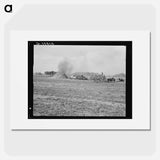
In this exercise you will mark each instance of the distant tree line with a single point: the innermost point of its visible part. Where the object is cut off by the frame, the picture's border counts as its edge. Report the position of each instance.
(96, 77)
(38, 73)
(50, 73)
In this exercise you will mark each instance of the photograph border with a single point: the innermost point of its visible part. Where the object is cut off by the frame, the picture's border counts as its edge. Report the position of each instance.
(128, 96)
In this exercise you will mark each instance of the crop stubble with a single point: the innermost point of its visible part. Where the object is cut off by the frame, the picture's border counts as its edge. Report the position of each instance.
(66, 97)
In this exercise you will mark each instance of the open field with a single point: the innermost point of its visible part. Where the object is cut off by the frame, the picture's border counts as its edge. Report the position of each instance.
(66, 97)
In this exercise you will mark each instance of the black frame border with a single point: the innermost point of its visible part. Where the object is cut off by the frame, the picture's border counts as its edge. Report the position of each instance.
(128, 45)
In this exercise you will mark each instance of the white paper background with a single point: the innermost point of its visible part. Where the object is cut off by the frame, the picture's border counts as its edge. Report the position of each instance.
(110, 15)
(19, 76)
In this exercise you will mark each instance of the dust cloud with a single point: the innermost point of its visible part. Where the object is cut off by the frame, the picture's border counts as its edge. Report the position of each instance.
(65, 67)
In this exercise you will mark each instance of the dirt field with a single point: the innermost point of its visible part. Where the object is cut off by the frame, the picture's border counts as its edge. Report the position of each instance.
(66, 97)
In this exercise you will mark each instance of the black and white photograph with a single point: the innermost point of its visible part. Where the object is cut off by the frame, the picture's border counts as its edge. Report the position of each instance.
(80, 79)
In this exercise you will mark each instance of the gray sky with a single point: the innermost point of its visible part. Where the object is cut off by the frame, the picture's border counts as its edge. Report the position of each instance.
(107, 59)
